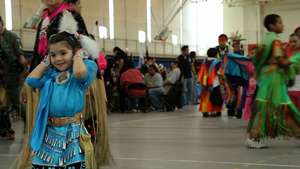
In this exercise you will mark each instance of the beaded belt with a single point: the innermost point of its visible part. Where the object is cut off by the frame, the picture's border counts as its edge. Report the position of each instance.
(61, 121)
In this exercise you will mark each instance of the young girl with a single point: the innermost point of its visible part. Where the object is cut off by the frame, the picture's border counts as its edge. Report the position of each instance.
(294, 91)
(273, 113)
(62, 79)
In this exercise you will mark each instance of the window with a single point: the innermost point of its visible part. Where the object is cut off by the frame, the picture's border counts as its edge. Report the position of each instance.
(206, 20)
(102, 32)
(174, 39)
(111, 20)
(142, 36)
(8, 15)
(149, 20)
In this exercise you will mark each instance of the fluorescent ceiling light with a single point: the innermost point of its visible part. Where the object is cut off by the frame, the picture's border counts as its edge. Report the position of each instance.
(8, 15)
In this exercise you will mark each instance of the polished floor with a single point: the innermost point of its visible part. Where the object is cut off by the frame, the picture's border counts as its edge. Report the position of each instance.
(181, 140)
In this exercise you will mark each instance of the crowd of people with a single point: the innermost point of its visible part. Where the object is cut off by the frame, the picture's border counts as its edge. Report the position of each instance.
(152, 80)
(67, 67)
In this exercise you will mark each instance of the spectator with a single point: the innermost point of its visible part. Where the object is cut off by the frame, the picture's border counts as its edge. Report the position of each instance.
(121, 57)
(172, 77)
(184, 62)
(154, 82)
(12, 56)
(131, 76)
(195, 77)
(149, 61)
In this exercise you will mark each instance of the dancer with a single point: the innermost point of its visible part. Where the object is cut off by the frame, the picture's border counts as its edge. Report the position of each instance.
(51, 19)
(62, 77)
(236, 78)
(273, 114)
(211, 98)
(68, 20)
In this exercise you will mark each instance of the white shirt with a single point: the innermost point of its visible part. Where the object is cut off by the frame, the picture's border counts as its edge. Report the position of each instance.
(296, 86)
(173, 76)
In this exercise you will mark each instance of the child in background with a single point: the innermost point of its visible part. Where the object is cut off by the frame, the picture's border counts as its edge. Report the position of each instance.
(294, 91)
(211, 100)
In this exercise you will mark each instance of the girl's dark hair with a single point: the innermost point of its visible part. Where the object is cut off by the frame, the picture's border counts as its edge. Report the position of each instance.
(71, 1)
(193, 54)
(212, 52)
(269, 20)
(1, 20)
(294, 34)
(297, 29)
(70, 39)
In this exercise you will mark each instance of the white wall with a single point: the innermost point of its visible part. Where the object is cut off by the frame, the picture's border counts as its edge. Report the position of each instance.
(233, 19)
(290, 15)
(202, 24)
(249, 18)
(130, 16)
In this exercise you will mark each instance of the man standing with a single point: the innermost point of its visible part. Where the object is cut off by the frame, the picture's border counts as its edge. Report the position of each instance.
(184, 63)
(223, 48)
(12, 56)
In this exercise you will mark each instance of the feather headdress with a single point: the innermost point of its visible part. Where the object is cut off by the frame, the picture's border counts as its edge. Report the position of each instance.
(236, 36)
(70, 25)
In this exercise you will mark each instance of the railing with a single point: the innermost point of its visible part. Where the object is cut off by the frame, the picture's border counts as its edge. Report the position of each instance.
(155, 48)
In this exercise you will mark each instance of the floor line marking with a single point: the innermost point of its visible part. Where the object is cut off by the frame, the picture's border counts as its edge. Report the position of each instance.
(151, 119)
(213, 162)
(194, 161)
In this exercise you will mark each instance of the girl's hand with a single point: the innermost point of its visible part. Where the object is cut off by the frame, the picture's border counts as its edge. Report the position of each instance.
(46, 61)
(81, 53)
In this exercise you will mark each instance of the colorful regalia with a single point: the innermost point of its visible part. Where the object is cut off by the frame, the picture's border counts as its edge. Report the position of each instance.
(90, 102)
(211, 97)
(48, 26)
(235, 77)
(273, 113)
(239, 72)
(294, 88)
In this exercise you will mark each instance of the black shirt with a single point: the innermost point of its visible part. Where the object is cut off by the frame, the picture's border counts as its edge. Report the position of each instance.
(184, 63)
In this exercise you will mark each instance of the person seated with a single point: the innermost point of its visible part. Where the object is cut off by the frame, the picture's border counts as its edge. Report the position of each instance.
(154, 83)
(172, 77)
(172, 88)
(149, 61)
(129, 77)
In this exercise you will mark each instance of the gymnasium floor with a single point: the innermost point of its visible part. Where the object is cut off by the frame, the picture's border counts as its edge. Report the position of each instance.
(181, 140)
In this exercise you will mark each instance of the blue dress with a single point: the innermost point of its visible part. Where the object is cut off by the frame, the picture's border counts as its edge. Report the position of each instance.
(59, 146)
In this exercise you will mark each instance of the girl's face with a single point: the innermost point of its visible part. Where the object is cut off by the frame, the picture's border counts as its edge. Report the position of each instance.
(77, 6)
(278, 26)
(61, 56)
(294, 42)
(51, 3)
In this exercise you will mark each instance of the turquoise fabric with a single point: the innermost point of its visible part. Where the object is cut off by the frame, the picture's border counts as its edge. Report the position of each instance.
(59, 146)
